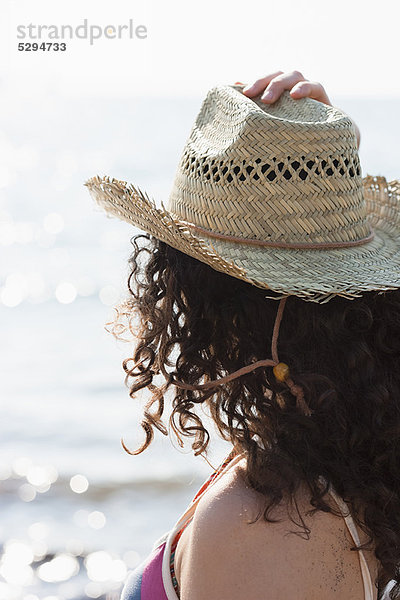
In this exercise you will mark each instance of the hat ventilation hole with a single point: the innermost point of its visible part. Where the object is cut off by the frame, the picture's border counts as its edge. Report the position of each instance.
(227, 172)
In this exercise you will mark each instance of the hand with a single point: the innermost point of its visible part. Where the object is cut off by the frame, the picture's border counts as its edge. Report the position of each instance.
(272, 86)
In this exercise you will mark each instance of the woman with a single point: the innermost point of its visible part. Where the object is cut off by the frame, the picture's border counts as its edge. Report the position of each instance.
(274, 272)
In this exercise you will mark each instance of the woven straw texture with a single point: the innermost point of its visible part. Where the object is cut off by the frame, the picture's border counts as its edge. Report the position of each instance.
(259, 187)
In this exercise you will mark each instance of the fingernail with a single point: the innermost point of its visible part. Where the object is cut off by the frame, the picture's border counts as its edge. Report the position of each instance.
(297, 90)
(267, 95)
(247, 88)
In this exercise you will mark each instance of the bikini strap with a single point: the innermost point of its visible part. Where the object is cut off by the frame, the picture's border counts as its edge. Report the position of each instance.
(351, 526)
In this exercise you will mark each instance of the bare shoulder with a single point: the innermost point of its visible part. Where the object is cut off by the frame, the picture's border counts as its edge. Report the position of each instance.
(220, 555)
(228, 501)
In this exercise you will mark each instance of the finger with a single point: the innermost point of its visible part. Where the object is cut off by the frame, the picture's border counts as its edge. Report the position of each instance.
(278, 84)
(260, 84)
(311, 89)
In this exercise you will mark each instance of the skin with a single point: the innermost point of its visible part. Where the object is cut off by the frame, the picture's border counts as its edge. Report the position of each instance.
(273, 84)
(220, 557)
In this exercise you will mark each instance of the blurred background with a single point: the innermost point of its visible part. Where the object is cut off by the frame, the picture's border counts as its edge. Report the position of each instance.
(77, 512)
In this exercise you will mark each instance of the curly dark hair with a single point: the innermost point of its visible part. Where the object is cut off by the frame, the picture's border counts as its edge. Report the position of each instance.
(344, 353)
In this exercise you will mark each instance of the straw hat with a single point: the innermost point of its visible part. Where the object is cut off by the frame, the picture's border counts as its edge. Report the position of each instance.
(273, 195)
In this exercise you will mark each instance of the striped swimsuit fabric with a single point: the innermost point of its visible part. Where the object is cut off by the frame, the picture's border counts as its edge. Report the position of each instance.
(154, 578)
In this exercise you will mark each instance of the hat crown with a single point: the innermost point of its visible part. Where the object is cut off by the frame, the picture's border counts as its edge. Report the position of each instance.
(286, 172)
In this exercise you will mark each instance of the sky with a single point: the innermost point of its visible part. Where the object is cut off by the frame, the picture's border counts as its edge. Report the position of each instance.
(350, 47)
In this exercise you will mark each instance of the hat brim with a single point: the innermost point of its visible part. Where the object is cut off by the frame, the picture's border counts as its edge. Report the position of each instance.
(312, 274)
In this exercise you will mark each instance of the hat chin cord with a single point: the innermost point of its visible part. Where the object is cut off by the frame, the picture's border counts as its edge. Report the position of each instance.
(280, 370)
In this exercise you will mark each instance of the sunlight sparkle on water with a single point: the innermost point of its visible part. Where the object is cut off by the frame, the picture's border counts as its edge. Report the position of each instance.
(13, 292)
(109, 295)
(22, 465)
(42, 477)
(93, 589)
(60, 568)
(16, 551)
(79, 484)
(20, 232)
(39, 548)
(11, 593)
(5, 471)
(27, 492)
(101, 566)
(19, 286)
(80, 517)
(96, 519)
(75, 547)
(38, 530)
(36, 287)
(65, 292)
(37, 476)
(15, 565)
